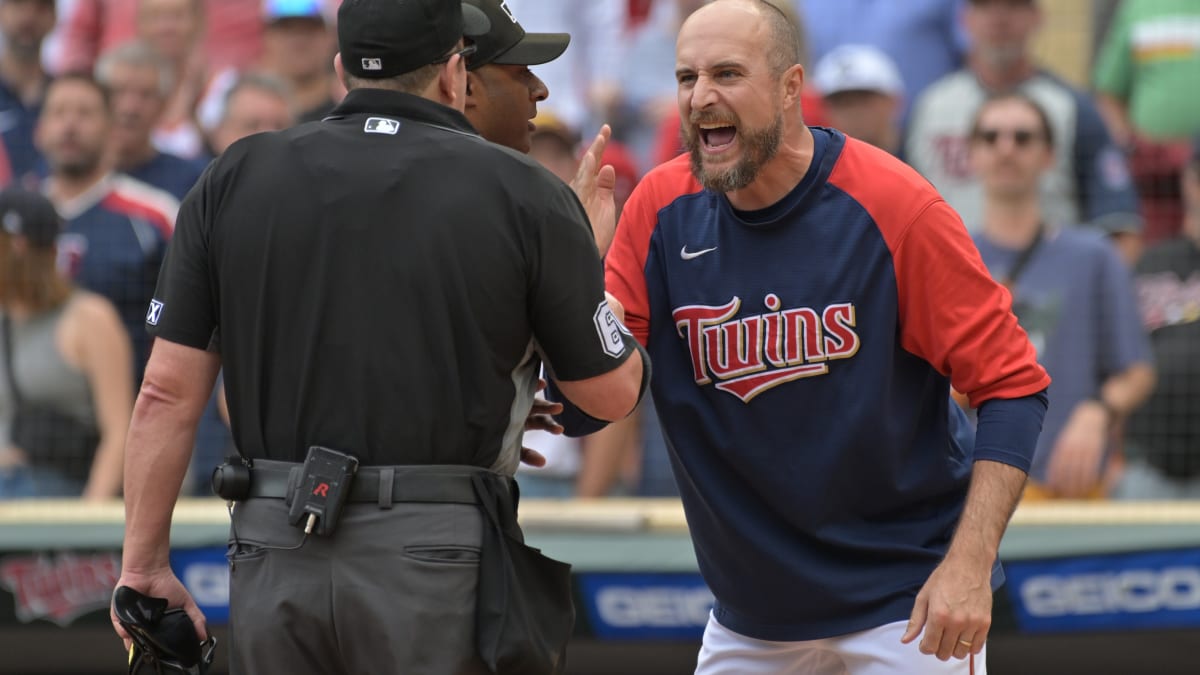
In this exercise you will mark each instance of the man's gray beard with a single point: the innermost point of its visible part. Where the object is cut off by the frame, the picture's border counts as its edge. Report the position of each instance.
(760, 148)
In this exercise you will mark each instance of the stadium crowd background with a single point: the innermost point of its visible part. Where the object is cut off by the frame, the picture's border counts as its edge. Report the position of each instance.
(180, 80)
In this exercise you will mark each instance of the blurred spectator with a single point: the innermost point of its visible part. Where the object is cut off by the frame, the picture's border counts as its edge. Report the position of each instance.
(923, 37)
(1164, 435)
(1071, 294)
(24, 24)
(864, 94)
(254, 104)
(117, 227)
(555, 146)
(298, 49)
(1088, 183)
(233, 36)
(67, 360)
(139, 81)
(648, 89)
(586, 79)
(173, 29)
(1146, 77)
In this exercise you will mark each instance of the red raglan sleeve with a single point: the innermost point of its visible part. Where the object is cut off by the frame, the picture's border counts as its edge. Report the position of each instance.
(625, 264)
(955, 316)
(951, 312)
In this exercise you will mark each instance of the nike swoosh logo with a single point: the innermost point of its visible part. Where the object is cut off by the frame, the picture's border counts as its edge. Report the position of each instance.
(686, 255)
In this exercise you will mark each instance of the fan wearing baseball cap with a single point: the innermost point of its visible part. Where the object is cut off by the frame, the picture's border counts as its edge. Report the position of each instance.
(379, 289)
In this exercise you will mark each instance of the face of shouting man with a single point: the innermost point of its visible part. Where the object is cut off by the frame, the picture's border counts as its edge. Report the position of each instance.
(729, 96)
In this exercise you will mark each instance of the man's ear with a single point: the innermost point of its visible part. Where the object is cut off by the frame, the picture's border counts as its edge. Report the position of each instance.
(474, 88)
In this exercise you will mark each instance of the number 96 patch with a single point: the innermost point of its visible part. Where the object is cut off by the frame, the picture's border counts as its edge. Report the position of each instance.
(609, 329)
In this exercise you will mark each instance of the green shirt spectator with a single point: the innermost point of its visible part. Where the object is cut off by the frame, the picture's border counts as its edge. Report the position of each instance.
(1150, 65)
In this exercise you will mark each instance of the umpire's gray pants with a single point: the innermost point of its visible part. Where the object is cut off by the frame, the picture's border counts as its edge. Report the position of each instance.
(391, 592)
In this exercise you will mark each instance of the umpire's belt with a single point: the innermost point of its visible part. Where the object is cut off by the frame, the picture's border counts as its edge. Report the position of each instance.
(384, 485)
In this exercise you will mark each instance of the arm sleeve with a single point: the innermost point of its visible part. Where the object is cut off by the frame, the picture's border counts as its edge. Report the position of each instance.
(1114, 64)
(953, 315)
(1102, 178)
(184, 308)
(1124, 342)
(576, 330)
(1008, 429)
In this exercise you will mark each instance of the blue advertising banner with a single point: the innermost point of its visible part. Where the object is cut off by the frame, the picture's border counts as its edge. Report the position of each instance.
(1158, 589)
(205, 573)
(645, 606)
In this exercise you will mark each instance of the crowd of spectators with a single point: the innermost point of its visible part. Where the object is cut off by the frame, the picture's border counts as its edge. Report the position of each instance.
(111, 109)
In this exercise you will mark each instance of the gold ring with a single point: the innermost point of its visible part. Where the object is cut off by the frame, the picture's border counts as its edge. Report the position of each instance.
(965, 643)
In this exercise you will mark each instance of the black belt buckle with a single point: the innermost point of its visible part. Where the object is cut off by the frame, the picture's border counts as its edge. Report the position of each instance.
(324, 485)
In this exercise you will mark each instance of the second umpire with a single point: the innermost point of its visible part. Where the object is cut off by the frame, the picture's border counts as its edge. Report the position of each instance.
(384, 285)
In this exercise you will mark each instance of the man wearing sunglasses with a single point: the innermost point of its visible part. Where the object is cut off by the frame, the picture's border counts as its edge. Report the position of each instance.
(1071, 293)
(379, 288)
(1088, 183)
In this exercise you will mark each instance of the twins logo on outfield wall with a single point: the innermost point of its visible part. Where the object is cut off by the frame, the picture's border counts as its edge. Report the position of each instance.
(59, 587)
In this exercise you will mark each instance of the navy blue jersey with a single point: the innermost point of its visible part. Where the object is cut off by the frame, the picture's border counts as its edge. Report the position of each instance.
(170, 173)
(114, 242)
(17, 122)
(803, 358)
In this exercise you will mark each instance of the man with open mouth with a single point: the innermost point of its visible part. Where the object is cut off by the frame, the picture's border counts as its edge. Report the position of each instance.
(808, 300)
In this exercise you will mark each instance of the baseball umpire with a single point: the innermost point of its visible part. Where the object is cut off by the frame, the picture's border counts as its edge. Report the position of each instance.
(380, 289)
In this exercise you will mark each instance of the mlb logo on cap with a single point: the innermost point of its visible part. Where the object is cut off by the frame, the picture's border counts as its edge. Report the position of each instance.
(372, 64)
(381, 125)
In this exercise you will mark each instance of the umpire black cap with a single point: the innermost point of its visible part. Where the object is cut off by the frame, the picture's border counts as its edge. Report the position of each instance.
(386, 38)
(506, 42)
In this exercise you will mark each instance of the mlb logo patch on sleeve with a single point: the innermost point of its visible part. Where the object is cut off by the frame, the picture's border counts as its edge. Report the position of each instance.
(381, 125)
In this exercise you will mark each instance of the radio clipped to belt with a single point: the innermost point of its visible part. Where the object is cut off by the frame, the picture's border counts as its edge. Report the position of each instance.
(321, 491)
(316, 492)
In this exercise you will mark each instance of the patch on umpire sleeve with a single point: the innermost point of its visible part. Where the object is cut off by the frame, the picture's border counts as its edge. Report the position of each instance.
(155, 312)
(609, 329)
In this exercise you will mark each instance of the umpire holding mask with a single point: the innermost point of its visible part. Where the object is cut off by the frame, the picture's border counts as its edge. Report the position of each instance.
(380, 288)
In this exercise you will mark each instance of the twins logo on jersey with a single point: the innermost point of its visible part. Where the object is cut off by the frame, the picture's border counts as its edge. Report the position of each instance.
(750, 355)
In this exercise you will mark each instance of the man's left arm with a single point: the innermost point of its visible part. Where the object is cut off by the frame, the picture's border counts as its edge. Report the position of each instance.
(956, 317)
(954, 607)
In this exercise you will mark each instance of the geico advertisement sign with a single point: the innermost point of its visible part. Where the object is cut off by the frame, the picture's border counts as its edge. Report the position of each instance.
(1137, 590)
(646, 606)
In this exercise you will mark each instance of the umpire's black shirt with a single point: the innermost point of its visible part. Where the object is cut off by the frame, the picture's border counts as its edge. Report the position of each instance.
(383, 283)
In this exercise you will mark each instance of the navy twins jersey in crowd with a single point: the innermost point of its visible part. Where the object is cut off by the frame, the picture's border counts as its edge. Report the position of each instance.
(802, 361)
(114, 243)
